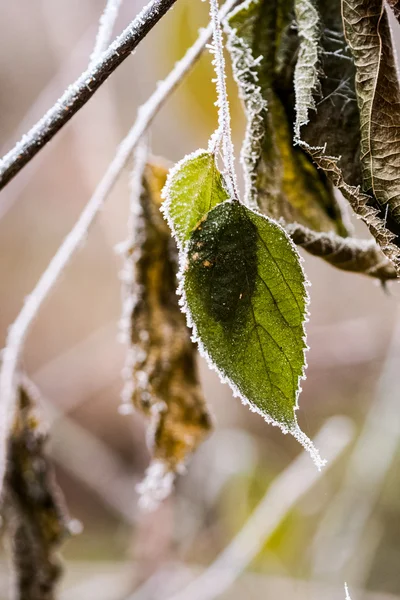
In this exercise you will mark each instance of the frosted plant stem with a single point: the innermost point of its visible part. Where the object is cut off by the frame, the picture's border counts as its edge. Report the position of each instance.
(18, 331)
(287, 489)
(106, 25)
(223, 132)
(346, 591)
(77, 94)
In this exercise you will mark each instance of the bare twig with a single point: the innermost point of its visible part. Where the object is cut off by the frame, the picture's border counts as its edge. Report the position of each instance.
(281, 496)
(19, 329)
(77, 94)
(107, 22)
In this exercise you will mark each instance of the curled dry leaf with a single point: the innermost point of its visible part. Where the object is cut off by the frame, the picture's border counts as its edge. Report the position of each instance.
(338, 158)
(33, 508)
(367, 31)
(268, 54)
(282, 181)
(161, 370)
(347, 254)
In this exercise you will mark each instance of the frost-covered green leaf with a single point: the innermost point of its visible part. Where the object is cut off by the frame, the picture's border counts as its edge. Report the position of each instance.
(281, 179)
(194, 186)
(367, 31)
(244, 293)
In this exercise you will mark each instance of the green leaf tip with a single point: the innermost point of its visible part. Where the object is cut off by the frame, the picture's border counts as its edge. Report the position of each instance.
(194, 186)
(244, 293)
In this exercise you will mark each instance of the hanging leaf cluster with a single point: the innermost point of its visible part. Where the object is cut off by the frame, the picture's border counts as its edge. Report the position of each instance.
(327, 84)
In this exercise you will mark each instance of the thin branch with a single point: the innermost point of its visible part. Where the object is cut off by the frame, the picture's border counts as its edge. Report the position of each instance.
(347, 254)
(107, 22)
(346, 591)
(19, 329)
(223, 132)
(295, 481)
(77, 94)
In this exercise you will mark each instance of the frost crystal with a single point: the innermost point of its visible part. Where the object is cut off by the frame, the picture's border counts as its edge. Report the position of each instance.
(223, 133)
(346, 590)
(306, 80)
(107, 22)
(156, 486)
(245, 73)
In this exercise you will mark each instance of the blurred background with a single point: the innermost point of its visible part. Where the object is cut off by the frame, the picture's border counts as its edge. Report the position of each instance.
(344, 528)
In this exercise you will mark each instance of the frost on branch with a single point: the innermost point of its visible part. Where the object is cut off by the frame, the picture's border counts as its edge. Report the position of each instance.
(160, 371)
(306, 80)
(244, 66)
(223, 134)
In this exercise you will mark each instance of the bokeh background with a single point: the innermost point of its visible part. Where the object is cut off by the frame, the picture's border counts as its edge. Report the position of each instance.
(347, 527)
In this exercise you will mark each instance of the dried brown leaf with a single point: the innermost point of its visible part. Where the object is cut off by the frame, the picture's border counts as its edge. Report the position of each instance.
(367, 31)
(162, 379)
(33, 507)
(347, 254)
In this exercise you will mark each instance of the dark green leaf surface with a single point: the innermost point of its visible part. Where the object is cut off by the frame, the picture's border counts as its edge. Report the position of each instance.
(244, 291)
(194, 186)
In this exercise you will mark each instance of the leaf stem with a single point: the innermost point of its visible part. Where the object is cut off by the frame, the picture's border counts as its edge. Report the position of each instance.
(77, 94)
(223, 133)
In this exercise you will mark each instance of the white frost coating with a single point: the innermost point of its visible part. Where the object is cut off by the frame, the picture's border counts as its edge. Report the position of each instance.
(295, 430)
(73, 91)
(106, 25)
(245, 74)
(306, 80)
(223, 133)
(130, 249)
(19, 330)
(346, 591)
(156, 486)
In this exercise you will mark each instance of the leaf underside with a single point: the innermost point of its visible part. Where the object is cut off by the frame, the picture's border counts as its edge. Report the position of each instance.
(285, 183)
(306, 75)
(340, 128)
(367, 31)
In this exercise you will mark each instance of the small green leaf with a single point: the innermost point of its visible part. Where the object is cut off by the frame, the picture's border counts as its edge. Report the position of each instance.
(244, 293)
(194, 186)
